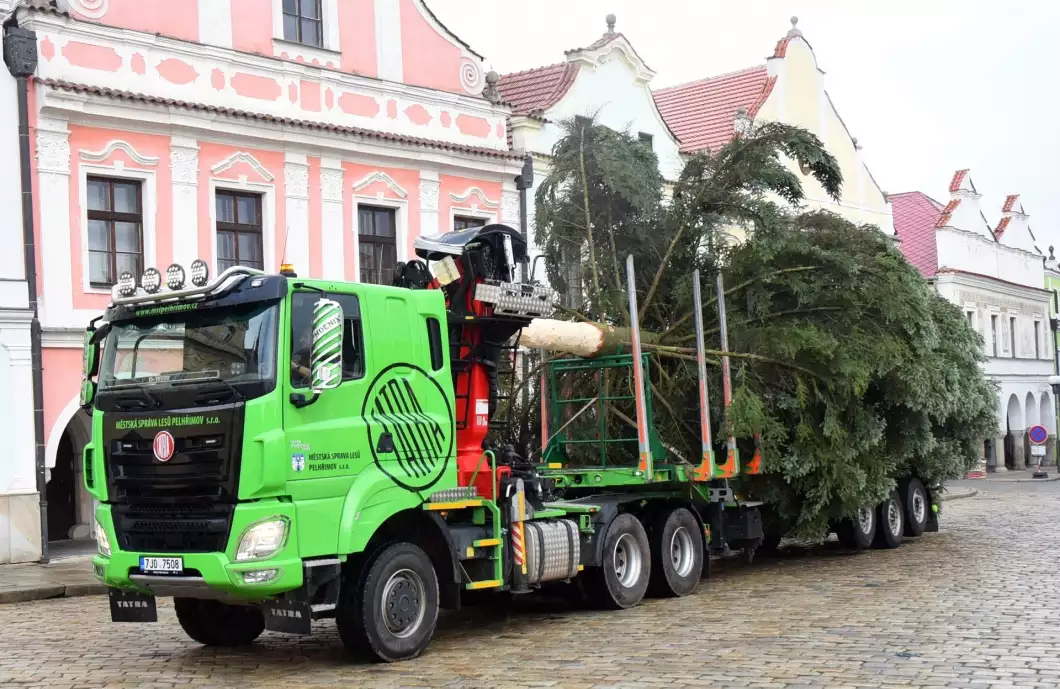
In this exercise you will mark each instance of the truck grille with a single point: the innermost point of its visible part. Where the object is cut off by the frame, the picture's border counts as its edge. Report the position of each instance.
(200, 469)
(173, 529)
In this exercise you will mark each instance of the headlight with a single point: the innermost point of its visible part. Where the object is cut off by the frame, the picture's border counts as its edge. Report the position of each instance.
(102, 542)
(262, 540)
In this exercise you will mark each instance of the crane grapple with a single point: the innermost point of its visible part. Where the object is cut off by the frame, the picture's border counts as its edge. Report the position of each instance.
(477, 269)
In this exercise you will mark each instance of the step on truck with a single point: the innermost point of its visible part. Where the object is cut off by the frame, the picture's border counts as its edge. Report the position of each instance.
(269, 450)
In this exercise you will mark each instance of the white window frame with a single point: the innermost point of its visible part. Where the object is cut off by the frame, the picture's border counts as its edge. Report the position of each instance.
(401, 232)
(1041, 351)
(491, 217)
(148, 202)
(1013, 340)
(268, 217)
(330, 51)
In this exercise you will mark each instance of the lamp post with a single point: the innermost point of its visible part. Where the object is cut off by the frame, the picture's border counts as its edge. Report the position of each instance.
(1054, 383)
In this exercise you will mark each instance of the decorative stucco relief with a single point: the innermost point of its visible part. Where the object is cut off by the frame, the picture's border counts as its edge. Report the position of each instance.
(469, 194)
(119, 145)
(93, 9)
(53, 151)
(184, 162)
(331, 184)
(386, 179)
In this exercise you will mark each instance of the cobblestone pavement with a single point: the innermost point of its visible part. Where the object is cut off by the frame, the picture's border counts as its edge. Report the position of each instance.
(973, 605)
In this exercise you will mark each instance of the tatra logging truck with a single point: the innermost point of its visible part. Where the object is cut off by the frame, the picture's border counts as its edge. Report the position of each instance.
(269, 450)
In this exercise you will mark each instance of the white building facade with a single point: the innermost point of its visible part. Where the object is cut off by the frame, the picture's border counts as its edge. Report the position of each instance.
(996, 276)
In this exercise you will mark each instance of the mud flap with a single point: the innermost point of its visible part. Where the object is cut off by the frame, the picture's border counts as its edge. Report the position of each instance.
(130, 606)
(288, 616)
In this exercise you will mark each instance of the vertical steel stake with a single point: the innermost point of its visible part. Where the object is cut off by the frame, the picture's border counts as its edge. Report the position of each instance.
(639, 382)
(705, 471)
(732, 462)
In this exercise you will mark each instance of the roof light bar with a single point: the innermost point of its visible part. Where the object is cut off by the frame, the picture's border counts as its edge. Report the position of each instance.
(125, 291)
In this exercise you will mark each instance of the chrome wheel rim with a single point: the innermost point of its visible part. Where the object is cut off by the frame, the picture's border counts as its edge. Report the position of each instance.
(894, 517)
(919, 506)
(682, 552)
(627, 560)
(403, 608)
(865, 519)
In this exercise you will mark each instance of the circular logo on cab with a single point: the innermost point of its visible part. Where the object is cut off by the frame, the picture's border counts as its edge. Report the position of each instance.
(164, 446)
(410, 426)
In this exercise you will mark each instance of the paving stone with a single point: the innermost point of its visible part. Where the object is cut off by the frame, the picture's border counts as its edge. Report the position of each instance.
(969, 606)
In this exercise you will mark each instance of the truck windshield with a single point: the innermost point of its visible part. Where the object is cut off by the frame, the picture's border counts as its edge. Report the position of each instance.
(234, 344)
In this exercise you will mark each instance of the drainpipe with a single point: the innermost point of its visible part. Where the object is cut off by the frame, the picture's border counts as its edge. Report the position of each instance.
(523, 182)
(20, 56)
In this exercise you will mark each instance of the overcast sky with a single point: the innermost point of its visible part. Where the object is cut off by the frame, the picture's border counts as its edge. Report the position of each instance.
(927, 86)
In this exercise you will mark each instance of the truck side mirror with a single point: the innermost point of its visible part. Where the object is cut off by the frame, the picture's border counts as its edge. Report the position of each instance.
(90, 353)
(88, 392)
(326, 352)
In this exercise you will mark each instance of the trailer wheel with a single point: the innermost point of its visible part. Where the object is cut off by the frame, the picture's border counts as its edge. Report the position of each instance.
(676, 554)
(213, 623)
(389, 610)
(890, 522)
(917, 506)
(622, 578)
(857, 532)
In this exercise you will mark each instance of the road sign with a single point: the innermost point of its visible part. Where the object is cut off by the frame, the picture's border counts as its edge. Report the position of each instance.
(1038, 434)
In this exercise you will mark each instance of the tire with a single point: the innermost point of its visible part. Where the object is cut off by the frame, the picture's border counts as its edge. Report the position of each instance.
(622, 578)
(890, 522)
(917, 506)
(398, 577)
(857, 533)
(676, 554)
(213, 623)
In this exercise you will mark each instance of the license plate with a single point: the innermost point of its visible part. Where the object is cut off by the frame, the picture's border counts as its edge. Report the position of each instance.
(1038, 450)
(162, 565)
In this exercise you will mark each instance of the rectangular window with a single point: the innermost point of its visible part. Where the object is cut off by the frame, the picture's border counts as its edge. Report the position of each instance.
(239, 233)
(377, 235)
(645, 138)
(993, 332)
(301, 337)
(1012, 334)
(462, 223)
(303, 22)
(434, 337)
(970, 315)
(115, 230)
(1037, 339)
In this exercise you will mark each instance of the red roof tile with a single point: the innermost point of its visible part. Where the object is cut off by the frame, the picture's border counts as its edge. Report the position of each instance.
(1002, 226)
(782, 47)
(958, 178)
(1010, 202)
(915, 218)
(701, 113)
(944, 219)
(537, 90)
(308, 124)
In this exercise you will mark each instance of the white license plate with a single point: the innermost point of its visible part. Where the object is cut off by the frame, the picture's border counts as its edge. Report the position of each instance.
(162, 565)
(1038, 450)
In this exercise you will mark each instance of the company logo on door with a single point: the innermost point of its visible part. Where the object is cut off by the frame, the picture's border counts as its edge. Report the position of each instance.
(164, 446)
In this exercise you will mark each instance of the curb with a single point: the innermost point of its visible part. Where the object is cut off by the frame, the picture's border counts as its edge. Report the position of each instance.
(25, 594)
(961, 496)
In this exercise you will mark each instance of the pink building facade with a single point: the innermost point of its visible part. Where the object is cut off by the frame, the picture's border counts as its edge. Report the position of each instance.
(323, 133)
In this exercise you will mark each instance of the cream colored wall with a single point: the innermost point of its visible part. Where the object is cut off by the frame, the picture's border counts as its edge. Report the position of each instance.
(798, 98)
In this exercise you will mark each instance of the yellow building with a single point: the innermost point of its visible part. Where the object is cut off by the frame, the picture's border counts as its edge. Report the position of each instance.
(788, 88)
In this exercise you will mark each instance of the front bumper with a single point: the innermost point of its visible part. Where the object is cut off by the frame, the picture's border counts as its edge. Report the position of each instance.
(207, 575)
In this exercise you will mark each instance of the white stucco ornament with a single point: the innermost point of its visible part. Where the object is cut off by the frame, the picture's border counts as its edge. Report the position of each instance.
(471, 76)
(93, 9)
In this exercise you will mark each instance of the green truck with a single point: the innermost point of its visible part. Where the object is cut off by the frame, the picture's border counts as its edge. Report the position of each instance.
(269, 450)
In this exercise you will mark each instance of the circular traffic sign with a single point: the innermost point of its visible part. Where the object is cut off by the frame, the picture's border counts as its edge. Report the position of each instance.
(1038, 434)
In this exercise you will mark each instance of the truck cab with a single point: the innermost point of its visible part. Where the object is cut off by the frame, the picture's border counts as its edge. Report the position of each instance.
(252, 432)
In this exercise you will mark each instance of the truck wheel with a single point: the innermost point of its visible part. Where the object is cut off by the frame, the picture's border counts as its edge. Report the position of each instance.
(622, 578)
(857, 532)
(676, 554)
(213, 623)
(390, 610)
(917, 506)
(890, 522)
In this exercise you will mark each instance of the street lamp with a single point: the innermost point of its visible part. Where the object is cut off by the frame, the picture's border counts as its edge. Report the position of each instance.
(1054, 383)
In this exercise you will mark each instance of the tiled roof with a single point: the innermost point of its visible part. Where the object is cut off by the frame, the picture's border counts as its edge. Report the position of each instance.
(1010, 202)
(947, 212)
(701, 113)
(1002, 226)
(958, 179)
(604, 40)
(782, 47)
(537, 90)
(308, 124)
(915, 218)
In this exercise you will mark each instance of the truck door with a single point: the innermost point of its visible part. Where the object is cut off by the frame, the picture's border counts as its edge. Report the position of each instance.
(327, 438)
